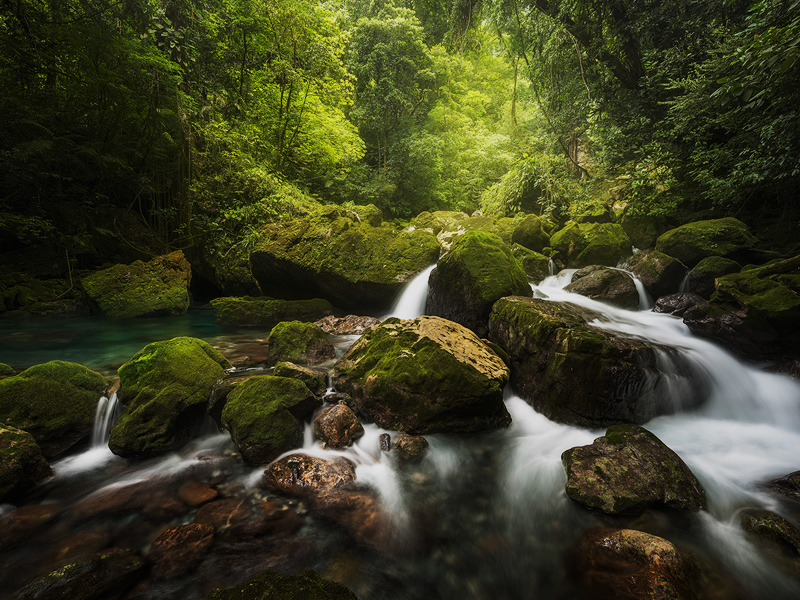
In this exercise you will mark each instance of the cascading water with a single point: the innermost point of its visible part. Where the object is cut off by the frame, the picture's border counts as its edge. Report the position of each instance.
(411, 303)
(108, 410)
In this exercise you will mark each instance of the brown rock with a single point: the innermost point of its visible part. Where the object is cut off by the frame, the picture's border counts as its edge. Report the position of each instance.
(411, 447)
(779, 538)
(196, 493)
(178, 550)
(305, 476)
(80, 546)
(605, 284)
(338, 426)
(349, 325)
(17, 524)
(677, 304)
(153, 498)
(787, 486)
(225, 513)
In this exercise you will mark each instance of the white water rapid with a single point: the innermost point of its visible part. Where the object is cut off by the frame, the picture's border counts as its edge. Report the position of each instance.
(411, 302)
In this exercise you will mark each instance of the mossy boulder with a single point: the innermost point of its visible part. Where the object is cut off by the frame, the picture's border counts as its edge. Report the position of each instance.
(55, 402)
(660, 274)
(643, 230)
(502, 227)
(535, 265)
(596, 213)
(424, 375)
(271, 585)
(693, 242)
(265, 416)
(316, 380)
(369, 213)
(576, 373)
(467, 281)
(21, 462)
(261, 311)
(299, 342)
(339, 258)
(165, 389)
(628, 470)
(772, 529)
(437, 220)
(6, 371)
(22, 294)
(533, 232)
(634, 565)
(156, 288)
(581, 245)
(104, 575)
(604, 284)
(701, 279)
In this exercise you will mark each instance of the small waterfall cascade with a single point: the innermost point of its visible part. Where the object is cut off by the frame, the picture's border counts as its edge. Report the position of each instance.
(108, 409)
(411, 303)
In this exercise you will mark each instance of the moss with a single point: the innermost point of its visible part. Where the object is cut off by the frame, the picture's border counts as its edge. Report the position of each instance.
(370, 214)
(769, 299)
(296, 341)
(21, 462)
(159, 287)
(263, 415)
(315, 380)
(580, 245)
(306, 585)
(165, 389)
(267, 312)
(55, 402)
(6, 371)
(695, 241)
(535, 265)
(437, 220)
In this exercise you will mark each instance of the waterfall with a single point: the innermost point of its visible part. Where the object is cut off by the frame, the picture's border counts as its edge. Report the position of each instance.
(411, 303)
(108, 409)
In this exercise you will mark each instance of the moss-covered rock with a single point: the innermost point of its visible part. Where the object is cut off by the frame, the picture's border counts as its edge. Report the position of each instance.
(346, 261)
(22, 294)
(55, 402)
(502, 227)
(604, 284)
(262, 311)
(264, 415)
(369, 214)
(437, 220)
(596, 213)
(271, 585)
(643, 230)
(535, 265)
(533, 233)
(424, 375)
(467, 281)
(581, 245)
(576, 373)
(773, 530)
(6, 371)
(165, 389)
(660, 274)
(21, 462)
(677, 304)
(299, 342)
(628, 470)
(159, 287)
(701, 278)
(104, 575)
(693, 242)
(316, 380)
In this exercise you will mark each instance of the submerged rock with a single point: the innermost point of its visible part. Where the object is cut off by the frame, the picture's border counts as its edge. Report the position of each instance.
(248, 311)
(21, 462)
(630, 469)
(335, 256)
(306, 585)
(165, 389)
(424, 375)
(660, 274)
(693, 242)
(298, 342)
(338, 426)
(55, 402)
(477, 272)
(180, 549)
(264, 415)
(157, 288)
(103, 575)
(604, 284)
(581, 245)
(630, 564)
(576, 373)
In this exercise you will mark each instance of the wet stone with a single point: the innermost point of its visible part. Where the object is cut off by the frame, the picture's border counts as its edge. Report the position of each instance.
(338, 426)
(349, 325)
(196, 493)
(385, 442)
(17, 524)
(179, 550)
(411, 447)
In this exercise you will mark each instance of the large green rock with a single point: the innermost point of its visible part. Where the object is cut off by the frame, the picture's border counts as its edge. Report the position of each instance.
(693, 242)
(467, 281)
(535, 265)
(701, 279)
(55, 402)
(299, 342)
(643, 230)
(502, 227)
(262, 311)
(576, 373)
(21, 462)
(271, 585)
(264, 415)
(437, 220)
(533, 232)
(628, 470)
(159, 287)
(581, 245)
(424, 375)
(165, 389)
(335, 256)
(660, 274)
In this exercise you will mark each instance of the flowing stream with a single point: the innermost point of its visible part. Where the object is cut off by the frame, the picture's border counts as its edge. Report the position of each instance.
(482, 516)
